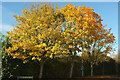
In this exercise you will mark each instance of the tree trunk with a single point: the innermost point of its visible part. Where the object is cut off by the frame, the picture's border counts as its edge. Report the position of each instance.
(82, 73)
(41, 70)
(82, 63)
(92, 54)
(82, 70)
(71, 70)
(91, 69)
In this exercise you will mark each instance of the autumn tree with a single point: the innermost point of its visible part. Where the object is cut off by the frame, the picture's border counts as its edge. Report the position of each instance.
(99, 41)
(43, 32)
(71, 32)
(37, 34)
(84, 29)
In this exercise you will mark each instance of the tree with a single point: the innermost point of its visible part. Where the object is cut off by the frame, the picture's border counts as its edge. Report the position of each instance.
(100, 41)
(10, 66)
(43, 32)
(84, 29)
(71, 31)
(5, 66)
(37, 34)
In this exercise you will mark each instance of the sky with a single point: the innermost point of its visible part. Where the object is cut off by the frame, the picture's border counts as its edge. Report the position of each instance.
(107, 10)
(60, 0)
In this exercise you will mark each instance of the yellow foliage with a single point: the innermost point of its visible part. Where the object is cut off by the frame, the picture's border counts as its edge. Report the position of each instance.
(70, 46)
(33, 58)
(40, 31)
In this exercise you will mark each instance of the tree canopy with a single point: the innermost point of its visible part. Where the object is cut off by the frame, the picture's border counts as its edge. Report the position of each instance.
(43, 31)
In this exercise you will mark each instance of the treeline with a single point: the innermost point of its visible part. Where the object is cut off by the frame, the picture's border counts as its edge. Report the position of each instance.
(55, 68)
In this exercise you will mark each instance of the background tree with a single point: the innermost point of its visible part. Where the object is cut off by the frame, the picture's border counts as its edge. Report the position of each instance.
(10, 66)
